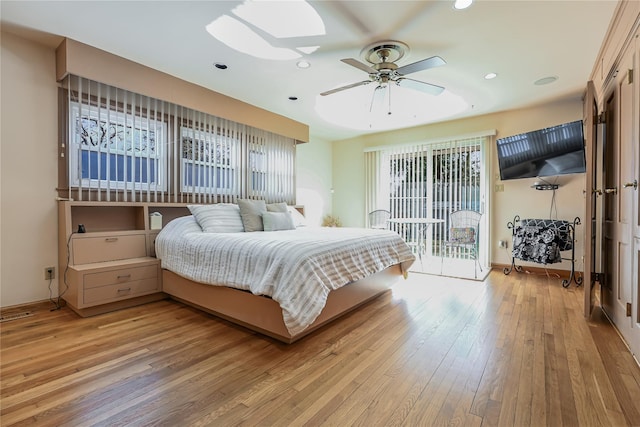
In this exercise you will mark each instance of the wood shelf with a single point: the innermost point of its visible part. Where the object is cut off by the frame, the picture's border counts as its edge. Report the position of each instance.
(118, 245)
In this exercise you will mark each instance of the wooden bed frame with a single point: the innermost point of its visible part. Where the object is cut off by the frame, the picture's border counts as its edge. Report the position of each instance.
(264, 315)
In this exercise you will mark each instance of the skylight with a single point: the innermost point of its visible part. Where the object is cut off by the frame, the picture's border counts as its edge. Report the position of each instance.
(272, 19)
(282, 19)
(240, 37)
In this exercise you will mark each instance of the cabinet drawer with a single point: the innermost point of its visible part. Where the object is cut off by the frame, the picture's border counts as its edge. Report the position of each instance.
(94, 280)
(108, 248)
(104, 294)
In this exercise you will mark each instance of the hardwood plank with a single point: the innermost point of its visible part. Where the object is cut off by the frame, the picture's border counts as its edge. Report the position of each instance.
(512, 350)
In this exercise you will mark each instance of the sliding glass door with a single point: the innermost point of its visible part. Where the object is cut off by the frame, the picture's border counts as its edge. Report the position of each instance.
(428, 181)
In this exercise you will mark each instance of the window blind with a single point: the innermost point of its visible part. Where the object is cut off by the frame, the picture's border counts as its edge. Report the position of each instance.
(124, 146)
(426, 180)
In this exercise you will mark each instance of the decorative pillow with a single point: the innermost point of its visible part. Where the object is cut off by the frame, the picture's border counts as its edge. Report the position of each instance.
(277, 207)
(251, 213)
(463, 235)
(218, 218)
(298, 219)
(274, 221)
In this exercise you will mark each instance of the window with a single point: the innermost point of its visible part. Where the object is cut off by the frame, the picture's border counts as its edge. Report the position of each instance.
(208, 162)
(114, 150)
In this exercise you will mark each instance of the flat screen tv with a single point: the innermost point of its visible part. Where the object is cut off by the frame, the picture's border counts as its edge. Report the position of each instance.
(556, 150)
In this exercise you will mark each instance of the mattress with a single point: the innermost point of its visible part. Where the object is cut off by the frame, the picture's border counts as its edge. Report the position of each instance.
(296, 268)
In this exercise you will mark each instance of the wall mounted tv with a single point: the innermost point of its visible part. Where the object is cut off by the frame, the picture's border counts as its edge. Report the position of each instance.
(556, 150)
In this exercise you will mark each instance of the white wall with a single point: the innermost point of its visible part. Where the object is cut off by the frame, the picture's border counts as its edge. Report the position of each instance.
(517, 199)
(314, 178)
(29, 227)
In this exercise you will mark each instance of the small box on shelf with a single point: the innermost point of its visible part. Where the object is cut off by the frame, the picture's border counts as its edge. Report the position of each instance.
(155, 221)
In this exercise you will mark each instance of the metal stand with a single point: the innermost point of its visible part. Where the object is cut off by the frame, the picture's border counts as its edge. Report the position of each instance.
(573, 277)
(511, 225)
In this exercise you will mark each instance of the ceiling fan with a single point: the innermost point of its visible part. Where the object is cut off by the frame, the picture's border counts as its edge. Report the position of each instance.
(383, 70)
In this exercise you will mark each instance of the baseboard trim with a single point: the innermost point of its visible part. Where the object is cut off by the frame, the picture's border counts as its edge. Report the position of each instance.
(29, 306)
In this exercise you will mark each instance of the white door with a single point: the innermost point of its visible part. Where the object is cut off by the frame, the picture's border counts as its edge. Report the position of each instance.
(620, 287)
(629, 192)
(591, 244)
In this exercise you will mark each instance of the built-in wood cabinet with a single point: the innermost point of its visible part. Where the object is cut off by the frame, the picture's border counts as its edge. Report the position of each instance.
(111, 264)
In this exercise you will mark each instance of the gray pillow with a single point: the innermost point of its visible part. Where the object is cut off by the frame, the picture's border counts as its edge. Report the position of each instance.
(218, 218)
(274, 221)
(251, 213)
(277, 207)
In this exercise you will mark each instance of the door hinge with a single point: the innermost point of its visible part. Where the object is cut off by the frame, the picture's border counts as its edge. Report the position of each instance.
(630, 77)
(601, 118)
(628, 309)
(596, 277)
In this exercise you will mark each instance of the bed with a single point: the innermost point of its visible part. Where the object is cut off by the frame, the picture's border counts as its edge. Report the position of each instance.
(283, 283)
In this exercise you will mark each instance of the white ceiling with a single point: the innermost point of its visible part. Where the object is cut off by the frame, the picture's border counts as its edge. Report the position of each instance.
(520, 40)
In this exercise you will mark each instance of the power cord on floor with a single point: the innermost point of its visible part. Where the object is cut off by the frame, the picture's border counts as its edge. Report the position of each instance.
(57, 301)
(546, 273)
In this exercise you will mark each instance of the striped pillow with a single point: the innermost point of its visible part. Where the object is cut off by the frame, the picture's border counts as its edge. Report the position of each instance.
(218, 218)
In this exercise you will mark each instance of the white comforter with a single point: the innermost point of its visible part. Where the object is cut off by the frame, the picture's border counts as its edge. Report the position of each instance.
(297, 268)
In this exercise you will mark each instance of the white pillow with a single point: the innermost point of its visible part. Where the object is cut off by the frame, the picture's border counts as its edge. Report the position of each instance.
(218, 218)
(298, 219)
(274, 221)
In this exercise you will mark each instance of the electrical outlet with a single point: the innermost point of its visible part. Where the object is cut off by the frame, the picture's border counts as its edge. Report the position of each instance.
(498, 188)
(502, 244)
(49, 273)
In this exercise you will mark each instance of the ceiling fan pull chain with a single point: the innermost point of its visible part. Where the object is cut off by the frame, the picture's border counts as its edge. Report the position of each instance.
(373, 99)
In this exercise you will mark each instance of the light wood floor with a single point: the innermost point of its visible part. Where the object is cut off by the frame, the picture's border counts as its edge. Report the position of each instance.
(513, 350)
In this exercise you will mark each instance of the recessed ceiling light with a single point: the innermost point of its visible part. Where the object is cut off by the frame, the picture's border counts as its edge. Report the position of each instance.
(293, 98)
(490, 76)
(303, 64)
(462, 4)
(220, 66)
(545, 80)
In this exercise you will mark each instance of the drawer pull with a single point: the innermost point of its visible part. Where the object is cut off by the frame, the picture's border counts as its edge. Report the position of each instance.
(111, 239)
(124, 276)
(124, 290)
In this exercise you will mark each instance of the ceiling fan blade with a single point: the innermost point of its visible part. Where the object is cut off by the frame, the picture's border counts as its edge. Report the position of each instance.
(429, 88)
(341, 88)
(425, 64)
(359, 65)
